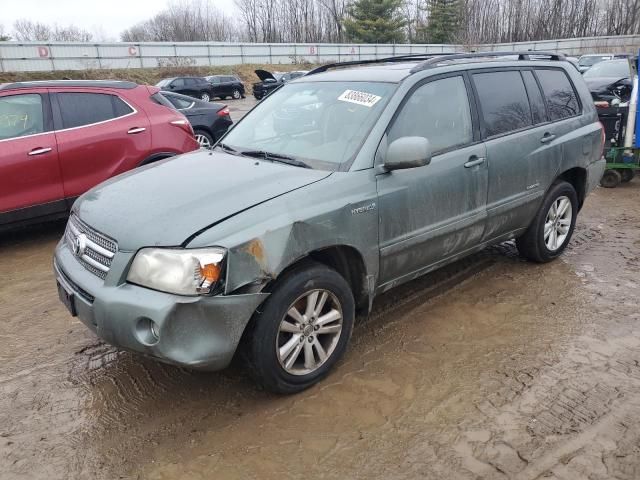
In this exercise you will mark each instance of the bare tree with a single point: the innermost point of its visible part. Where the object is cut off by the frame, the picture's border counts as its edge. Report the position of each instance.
(28, 31)
(4, 36)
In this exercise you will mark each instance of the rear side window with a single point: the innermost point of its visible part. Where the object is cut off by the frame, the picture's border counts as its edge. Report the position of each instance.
(438, 111)
(562, 101)
(538, 109)
(179, 102)
(503, 101)
(79, 109)
(21, 115)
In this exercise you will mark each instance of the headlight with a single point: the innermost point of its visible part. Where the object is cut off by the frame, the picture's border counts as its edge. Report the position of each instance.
(179, 271)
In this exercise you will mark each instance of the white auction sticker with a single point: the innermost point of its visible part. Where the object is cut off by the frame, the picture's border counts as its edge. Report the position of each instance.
(360, 98)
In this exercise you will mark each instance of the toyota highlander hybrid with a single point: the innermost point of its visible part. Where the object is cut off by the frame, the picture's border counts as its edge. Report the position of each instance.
(268, 245)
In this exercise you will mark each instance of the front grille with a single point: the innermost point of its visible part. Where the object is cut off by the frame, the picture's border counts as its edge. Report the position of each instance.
(97, 250)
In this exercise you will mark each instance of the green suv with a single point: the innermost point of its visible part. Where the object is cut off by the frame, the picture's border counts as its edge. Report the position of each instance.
(339, 186)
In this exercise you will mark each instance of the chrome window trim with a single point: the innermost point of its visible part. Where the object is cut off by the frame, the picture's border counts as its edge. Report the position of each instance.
(81, 126)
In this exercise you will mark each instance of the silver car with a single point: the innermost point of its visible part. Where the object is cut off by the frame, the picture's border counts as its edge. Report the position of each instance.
(268, 245)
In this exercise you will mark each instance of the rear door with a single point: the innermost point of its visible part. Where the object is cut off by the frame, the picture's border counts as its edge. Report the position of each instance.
(29, 169)
(429, 214)
(519, 144)
(217, 87)
(99, 135)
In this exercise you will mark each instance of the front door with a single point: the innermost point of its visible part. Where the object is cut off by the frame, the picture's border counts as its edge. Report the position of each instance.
(30, 180)
(429, 214)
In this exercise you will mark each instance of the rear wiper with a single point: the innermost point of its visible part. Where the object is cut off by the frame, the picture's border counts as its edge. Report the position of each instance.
(275, 157)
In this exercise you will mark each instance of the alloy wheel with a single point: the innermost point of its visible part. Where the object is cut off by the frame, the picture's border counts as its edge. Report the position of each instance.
(309, 332)
(203, 140)
(236, 94)
(558, 223)
(205, 97)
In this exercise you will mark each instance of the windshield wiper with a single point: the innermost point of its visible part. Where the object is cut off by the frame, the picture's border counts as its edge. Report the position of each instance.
(228, 149)
(275, 157)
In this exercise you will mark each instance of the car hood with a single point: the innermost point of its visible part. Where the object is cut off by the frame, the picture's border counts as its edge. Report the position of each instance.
(598, 83)
(264, 75)
(165, 203)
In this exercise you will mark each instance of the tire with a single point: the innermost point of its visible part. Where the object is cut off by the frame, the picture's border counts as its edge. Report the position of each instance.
(626, 174)
(204, 138)
(610, 179)
(205, 97)
(236, 94)
(283, 356)
(549, 233)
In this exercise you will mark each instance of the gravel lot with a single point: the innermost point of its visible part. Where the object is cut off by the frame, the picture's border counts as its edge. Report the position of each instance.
(489, 368)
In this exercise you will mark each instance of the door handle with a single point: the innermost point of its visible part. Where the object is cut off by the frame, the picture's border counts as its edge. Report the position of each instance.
(473, 161)
(136, 130)
(40, 151)
(547, 137)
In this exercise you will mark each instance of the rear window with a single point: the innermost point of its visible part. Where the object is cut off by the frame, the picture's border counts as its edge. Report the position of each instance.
(21, 115)
(161, 100)
(503, 101)
(79, 109)
(562, 101)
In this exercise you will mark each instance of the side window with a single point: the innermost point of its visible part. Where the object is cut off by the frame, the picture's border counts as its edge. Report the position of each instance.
(214, 80)
(21, 115)
(538, 110)
(178, 82)
(179, 102)
(78, 109)
(438, 111)
(561, 98)
(503, 101)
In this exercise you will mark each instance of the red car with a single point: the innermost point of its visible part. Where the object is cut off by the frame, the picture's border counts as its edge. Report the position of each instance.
(60, 138)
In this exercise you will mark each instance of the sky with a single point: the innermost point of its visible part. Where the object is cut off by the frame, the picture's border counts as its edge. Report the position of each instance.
(103, 18)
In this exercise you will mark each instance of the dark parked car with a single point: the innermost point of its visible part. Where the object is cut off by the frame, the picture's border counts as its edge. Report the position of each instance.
(587, 61)
(226, 86)
(196, 87)
(270, 81)
(209, 120)
(609, 80)
(60, 138)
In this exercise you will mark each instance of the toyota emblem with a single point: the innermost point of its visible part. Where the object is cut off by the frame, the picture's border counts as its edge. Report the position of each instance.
(80, 245)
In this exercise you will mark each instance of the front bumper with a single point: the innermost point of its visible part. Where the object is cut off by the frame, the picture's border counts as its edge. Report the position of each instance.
(198, 332)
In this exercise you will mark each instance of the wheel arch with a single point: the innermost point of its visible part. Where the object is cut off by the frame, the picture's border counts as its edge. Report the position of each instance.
(577, 177)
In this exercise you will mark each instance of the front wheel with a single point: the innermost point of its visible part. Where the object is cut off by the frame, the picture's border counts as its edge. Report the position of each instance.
(626, 174)
(552, 227)
(302, 330)
(236, 94)
(205, 97)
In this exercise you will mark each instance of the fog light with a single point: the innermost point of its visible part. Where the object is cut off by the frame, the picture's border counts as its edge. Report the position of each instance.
(147, 331)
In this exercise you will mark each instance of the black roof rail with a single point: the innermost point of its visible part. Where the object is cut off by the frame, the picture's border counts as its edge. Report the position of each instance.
(463, 56)
(117, 84)
(399, 58)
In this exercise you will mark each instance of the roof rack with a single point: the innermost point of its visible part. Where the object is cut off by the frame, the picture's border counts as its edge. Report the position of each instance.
(431, 59)
(399, 58)
(463, 56)
(118, 84)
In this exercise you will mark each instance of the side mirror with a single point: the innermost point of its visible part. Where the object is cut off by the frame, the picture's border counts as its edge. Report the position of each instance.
(408, 152)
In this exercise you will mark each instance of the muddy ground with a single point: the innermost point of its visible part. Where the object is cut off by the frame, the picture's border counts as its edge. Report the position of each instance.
(490, 368)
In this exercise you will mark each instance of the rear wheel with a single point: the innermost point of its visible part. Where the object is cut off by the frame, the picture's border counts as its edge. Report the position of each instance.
(626, 174)
(552, 227)
(610, 178)
(204, 139)
(302, 330)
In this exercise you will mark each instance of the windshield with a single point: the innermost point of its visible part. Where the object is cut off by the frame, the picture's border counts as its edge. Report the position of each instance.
(321, 123)
(591, 60)
(610, 68)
